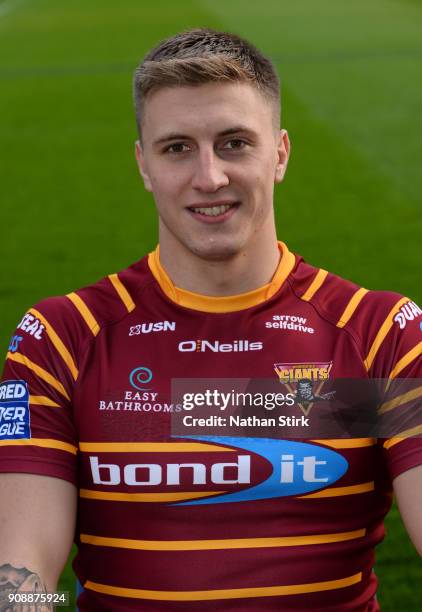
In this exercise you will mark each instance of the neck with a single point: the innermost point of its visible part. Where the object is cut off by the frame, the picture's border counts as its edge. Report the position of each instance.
(251, 268)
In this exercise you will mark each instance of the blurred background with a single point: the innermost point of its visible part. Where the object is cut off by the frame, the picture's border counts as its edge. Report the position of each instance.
(72, 205)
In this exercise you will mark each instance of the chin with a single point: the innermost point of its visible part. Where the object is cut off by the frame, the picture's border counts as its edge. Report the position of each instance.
(215, 250)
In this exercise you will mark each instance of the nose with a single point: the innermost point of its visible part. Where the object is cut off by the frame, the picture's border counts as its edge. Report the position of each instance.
(209, 172)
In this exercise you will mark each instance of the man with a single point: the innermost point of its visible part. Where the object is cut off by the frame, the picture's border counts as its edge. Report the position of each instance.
(168, 523)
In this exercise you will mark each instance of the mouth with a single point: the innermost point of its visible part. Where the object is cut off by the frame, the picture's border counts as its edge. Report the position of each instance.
(214, 212)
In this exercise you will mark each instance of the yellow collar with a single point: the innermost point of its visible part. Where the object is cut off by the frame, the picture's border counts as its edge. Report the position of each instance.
(230, 303)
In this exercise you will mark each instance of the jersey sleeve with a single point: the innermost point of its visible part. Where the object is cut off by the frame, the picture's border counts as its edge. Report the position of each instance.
(37, 430)
(394, 352)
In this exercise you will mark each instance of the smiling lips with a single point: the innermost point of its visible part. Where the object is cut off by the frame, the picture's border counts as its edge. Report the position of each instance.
(213, 212)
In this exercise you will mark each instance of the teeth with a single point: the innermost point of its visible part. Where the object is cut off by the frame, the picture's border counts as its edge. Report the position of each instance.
(213, 211)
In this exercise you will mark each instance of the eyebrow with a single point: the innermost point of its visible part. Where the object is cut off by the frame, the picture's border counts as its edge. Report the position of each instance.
(179, 136)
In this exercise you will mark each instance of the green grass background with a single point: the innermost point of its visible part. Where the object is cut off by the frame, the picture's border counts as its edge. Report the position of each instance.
(72, 205)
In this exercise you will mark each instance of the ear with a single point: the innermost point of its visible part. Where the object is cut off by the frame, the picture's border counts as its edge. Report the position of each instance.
(283, 152)
(140, 159)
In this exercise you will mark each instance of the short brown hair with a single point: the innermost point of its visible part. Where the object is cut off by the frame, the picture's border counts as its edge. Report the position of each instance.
(201, 56)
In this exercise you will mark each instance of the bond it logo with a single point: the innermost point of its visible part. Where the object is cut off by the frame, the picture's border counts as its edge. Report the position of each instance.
(228, 469)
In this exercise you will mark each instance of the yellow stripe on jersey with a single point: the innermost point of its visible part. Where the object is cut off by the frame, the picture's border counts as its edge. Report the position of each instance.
(161, 275)
(287, 263)
(272, 591)
(347, 442)
(404, 435)
(39, 371)
(315, 285)
(339, 491)
(400, 400)
(42, 400)
(85, 312)
(58, 343)
(402, 363)
(226, 544)
(122, 292)
(351, 307)
(146, 497)
(151, 447)
(382, 332)
(231, 303)
(42, 442)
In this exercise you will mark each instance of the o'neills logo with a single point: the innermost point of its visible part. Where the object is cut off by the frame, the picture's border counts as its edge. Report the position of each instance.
(201, 346)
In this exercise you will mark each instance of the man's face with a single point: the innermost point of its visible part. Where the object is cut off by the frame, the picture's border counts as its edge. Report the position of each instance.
(305, 389)
(211, 154)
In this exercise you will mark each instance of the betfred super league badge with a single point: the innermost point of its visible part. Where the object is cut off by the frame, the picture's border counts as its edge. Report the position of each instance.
(14, 410)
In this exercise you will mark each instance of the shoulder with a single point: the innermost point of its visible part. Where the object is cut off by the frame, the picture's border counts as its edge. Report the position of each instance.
(85, 311)
(345, 303)
(56, 331)
(51, 340)
(383, 323)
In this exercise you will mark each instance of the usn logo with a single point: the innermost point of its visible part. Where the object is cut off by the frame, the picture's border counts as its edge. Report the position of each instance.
(254, 469)
(147, 328)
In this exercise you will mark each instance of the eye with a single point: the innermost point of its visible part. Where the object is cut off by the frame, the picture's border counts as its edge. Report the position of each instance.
(177, 147)
(235, 144)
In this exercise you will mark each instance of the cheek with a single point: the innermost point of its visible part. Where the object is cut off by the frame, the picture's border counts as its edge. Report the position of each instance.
(161, 187)
(167, 194)
(261, 180)
(262, 172)
(167, 182)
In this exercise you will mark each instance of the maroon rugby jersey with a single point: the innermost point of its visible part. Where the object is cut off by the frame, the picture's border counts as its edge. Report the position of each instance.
(157, 528)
